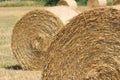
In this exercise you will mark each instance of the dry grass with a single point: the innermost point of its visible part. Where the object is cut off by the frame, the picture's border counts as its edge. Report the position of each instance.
(116, 2)
(21, 3)
(20, 75)
(88, 48)
(9, 67)
(33, 34)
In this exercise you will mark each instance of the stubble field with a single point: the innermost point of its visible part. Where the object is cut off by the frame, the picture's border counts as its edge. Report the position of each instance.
(9, 67)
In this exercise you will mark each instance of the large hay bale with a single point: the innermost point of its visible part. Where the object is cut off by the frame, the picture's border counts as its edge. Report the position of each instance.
(117, 2)
(70, 3)
(33, 33)
(88, 48)
(96, 3)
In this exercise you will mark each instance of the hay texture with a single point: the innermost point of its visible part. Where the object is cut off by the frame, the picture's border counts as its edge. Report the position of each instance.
(96, 3)
(117, 2)
(88, 48)
(70, 3)
(34, 32)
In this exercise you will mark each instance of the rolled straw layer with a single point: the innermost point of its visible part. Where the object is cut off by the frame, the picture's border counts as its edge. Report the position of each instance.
(117, 2)
(70, 3)
(96, 3)
(33, 34)
(88, 48)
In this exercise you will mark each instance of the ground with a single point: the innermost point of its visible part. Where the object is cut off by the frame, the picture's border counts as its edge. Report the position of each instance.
(9, 67)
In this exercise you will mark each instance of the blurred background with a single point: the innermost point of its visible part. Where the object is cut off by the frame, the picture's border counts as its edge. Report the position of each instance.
(18, 3)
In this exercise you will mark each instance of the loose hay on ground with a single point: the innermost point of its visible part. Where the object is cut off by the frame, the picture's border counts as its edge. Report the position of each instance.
(33, 34)
(70, 3)
(20, 75)
(96, 3)
(87, 48)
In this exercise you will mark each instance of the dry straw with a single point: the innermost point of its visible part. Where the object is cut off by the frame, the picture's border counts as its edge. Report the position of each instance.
(96, 3)
(88, 48)
(70, 3)
(33, 34)
(117, 2)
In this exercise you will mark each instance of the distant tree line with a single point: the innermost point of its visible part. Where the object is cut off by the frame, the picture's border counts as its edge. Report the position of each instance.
(51, 2)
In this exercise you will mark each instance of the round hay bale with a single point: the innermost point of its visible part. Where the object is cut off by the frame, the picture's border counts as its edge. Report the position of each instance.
(34, 32)
(88, 48)
(102, 72)
(70, 3)
(117, 2)
(116, 7)
(96, 3)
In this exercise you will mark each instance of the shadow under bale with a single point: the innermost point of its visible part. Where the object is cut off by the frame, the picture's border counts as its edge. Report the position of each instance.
(14, 67)
(88, 48)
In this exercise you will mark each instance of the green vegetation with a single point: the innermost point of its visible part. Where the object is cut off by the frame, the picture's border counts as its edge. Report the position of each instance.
(18, 3)
(82, 2)
(21, 3)
(109, 3)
